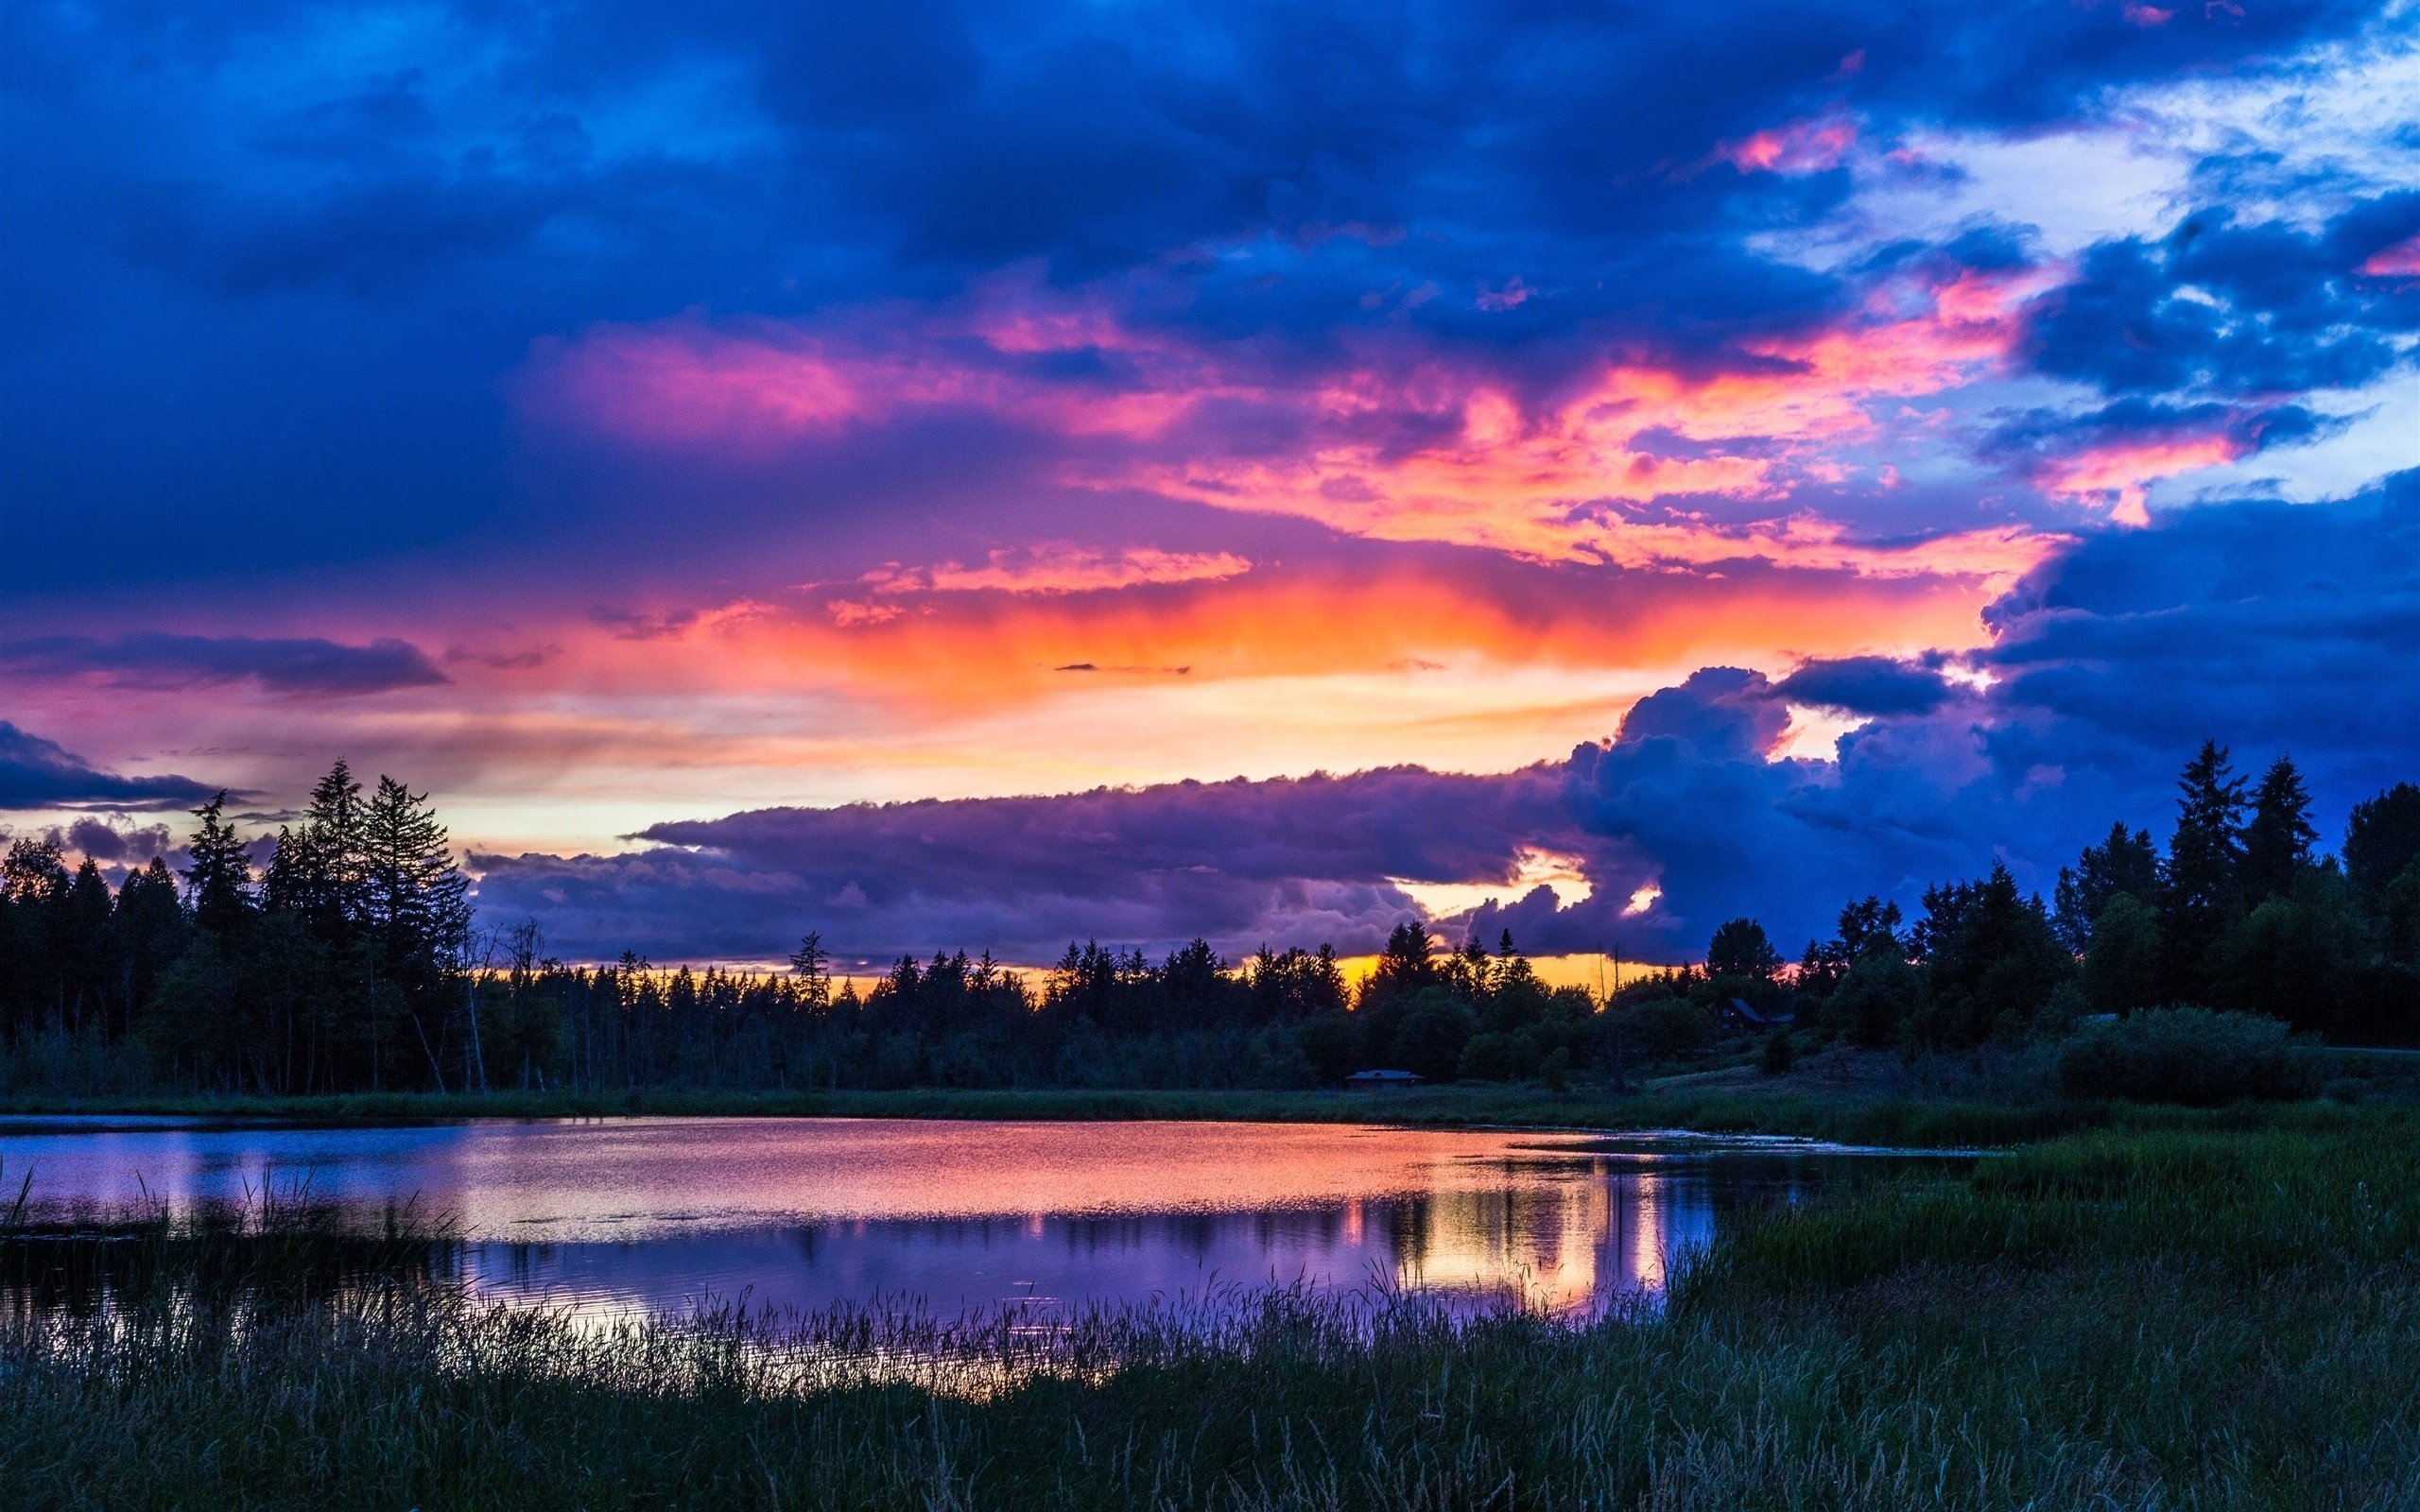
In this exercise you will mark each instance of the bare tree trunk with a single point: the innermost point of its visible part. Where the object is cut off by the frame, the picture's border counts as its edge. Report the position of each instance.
(434, 1069)
(478, 1056)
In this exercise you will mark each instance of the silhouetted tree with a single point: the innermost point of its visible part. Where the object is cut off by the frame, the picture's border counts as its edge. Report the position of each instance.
(2127, 861)
(2278, 839)
(2382, 839)
(2202, 898)
(218, 876)
(1739, 949)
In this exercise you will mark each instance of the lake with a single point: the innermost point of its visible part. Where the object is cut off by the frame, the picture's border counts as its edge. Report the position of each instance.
(640, 1214)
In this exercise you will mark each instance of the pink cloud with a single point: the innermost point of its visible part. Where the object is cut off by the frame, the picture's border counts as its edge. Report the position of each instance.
(1589, 474)
(2121, 472)
(2402, 260)
(1800, 147)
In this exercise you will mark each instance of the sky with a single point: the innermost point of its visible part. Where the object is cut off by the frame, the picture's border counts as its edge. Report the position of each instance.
(985, 476)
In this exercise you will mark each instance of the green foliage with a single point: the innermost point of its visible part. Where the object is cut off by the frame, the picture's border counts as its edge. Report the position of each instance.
(2124, 968)
(1879, 994)
(2383, 838)
(1435, 1028)
(2127, 861)
(2191, 1055)
(1991, 962)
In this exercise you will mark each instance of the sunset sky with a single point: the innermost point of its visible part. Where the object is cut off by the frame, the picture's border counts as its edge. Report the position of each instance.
(986, 475)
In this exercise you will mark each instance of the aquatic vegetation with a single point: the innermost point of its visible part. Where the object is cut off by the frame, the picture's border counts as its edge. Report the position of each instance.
(2200, 1316)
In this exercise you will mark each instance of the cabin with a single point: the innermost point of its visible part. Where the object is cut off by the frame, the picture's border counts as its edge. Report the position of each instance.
(1740, 1015)
(1382, 1080)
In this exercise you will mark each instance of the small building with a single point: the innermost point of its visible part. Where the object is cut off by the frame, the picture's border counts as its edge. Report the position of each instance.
(1740, 1015)
(1382, 1080)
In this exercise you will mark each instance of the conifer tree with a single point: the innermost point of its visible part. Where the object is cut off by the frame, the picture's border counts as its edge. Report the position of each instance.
(2203, 894)
(2277, 842)
(2125, 862)
(218, 882)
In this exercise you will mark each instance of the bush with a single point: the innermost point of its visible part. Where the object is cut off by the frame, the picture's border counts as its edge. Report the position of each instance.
(1775, 1059)
(1666, 1028)
(2188, 1055)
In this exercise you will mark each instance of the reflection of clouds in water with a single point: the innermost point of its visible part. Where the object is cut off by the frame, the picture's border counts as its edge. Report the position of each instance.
(634, 1216)
(1600, 1234)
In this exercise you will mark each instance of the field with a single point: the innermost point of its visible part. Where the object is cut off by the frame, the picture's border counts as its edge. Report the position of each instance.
(2218, 1313)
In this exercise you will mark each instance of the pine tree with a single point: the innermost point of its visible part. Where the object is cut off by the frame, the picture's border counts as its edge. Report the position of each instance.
(2278, 843)
(812, 965)
(2203, 895)
(2125, 862)
(417, 916)
(218, 882)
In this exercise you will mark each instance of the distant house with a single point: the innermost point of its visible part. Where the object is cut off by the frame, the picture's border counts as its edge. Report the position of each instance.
(1381, 1080)
(1739, 1016)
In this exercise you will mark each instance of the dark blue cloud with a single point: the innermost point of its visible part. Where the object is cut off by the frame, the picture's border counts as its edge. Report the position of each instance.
(298, 250)
(1313, 858)
(39, 774)
(2234, 309)
(1866, 685)
(309, 667)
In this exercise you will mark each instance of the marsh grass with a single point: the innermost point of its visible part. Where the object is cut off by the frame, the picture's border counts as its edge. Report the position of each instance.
(2198, 1317)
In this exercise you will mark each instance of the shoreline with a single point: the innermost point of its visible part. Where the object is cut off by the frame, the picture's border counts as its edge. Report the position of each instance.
(1836, 1117)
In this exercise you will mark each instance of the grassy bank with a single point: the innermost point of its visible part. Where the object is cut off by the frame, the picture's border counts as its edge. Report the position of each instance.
(1849, 1118)
(2209, 1317)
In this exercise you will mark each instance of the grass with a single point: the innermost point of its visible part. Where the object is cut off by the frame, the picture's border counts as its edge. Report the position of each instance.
(2219, 1313)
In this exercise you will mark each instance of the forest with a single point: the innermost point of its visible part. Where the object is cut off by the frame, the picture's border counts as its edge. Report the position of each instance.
(352, 961)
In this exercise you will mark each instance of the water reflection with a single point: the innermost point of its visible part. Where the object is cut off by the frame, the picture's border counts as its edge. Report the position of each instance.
(645, 1216)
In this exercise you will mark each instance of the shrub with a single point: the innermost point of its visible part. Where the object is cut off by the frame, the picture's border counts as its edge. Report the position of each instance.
(1662, 1028)
(1775, 1057)
(1488, 1058)
(2188, 1055)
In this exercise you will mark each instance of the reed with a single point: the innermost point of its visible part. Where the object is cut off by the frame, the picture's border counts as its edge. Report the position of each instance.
(2198, 1317)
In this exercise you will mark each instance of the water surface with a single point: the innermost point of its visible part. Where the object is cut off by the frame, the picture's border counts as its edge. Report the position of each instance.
(655, 1214)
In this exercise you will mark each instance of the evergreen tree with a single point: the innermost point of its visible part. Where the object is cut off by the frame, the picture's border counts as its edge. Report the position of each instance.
(1405, 966)
(2202, 898)
(2125, 862)
(808, 963)
(417, 915)
(2277, 842)
(219, 880)
(2382, 839)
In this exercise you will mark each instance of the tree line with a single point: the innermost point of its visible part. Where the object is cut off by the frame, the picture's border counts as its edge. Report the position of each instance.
(350, 961)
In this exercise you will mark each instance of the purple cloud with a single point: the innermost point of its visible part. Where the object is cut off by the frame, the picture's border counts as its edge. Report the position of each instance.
(40, 774)
(310, 667)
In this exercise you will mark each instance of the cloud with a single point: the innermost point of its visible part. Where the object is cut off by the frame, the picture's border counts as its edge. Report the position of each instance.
(2234, 308)
(2272, 628)
(39, 774)
(1305, 858)
(1866, 685)
(1054, 567)
(300, 667)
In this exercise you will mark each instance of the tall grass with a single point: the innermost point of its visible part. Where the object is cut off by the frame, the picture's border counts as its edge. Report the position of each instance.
(2188, 1317)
